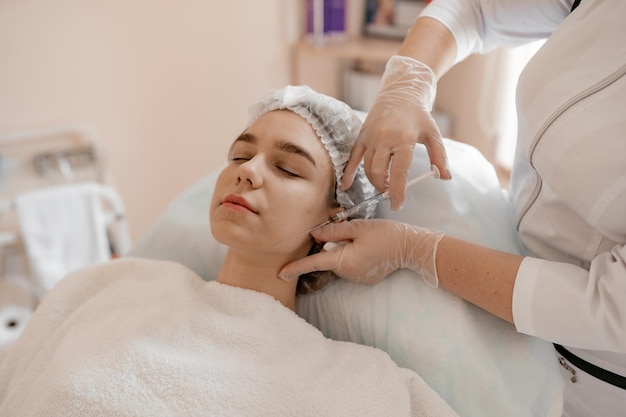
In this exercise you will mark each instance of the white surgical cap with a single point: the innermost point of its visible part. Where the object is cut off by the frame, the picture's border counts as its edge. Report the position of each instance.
(337, 126)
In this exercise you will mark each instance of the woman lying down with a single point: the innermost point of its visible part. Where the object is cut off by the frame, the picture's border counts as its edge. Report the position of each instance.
(145, 338)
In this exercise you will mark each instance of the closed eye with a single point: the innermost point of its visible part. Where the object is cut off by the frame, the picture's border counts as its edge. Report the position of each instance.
(239, 159)
(288, 172)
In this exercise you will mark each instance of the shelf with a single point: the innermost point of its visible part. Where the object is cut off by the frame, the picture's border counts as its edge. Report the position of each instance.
(322, 66)
(368, 49)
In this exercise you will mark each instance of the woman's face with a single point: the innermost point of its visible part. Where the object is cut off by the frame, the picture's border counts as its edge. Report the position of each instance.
(274, 188)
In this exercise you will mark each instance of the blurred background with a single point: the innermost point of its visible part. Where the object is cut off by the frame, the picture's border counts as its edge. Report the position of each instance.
(163, 87)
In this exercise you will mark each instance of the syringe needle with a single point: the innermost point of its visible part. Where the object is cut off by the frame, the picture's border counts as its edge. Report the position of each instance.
(343, 215)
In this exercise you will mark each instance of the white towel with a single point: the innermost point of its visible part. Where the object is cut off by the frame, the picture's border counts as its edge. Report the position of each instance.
(150, 338)
(63, 229)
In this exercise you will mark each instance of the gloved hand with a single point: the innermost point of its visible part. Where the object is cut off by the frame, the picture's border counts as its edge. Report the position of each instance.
(374, 249)
(399, 118)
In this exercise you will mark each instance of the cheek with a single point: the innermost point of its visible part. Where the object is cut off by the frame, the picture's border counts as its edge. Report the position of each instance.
(219, 187)
(314, 204)
(292, 220)
(317, 207)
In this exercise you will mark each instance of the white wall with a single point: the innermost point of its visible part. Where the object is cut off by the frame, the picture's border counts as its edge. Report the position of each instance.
(165, 84)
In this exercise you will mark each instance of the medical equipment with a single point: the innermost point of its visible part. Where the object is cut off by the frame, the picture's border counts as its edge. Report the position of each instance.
(345, 214)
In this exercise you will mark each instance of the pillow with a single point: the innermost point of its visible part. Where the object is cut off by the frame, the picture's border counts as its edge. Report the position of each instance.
(182, 232)
(478, 363)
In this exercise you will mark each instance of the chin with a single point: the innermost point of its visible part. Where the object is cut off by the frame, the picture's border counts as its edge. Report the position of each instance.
(237, 236)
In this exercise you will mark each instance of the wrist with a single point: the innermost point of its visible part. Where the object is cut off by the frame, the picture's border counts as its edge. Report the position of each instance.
(412, 79)
(422, 253)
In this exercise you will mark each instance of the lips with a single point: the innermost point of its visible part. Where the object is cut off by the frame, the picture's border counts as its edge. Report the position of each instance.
(237, 202)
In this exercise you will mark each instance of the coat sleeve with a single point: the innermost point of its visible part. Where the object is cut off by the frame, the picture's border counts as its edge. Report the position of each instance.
(480, 26)
(571, 306)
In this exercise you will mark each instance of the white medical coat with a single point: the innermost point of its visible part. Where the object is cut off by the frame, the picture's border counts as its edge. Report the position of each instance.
(568, 183)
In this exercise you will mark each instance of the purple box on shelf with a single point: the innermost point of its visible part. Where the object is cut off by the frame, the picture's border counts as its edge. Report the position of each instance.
(326, 18)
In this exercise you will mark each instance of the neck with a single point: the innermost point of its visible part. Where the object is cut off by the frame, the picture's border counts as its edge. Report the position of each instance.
(258, 273)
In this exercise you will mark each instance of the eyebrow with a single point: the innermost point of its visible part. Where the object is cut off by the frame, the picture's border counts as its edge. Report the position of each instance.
(283, 146)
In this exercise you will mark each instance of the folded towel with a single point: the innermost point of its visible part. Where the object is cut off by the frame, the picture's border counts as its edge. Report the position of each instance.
(64, 228)
(150, 338)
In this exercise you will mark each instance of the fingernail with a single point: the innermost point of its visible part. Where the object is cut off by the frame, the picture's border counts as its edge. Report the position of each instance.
(328, 246)
(397, 207)
(286, 277)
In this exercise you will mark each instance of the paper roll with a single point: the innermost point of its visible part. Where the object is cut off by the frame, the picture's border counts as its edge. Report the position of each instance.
(13, 320)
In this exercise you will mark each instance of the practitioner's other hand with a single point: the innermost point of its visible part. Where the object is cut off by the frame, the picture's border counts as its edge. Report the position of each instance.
(370, 250)
(399, 118)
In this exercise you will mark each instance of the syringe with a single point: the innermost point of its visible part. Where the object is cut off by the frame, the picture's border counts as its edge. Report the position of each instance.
(345, 214)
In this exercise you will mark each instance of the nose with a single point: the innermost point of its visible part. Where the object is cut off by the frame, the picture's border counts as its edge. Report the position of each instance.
(250, 172)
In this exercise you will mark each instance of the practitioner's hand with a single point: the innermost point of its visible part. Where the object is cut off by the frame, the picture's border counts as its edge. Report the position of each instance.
(374, 249)
(399, 118)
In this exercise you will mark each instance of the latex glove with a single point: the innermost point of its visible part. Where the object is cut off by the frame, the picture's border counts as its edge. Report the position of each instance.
(374, 249)
(400, 117)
